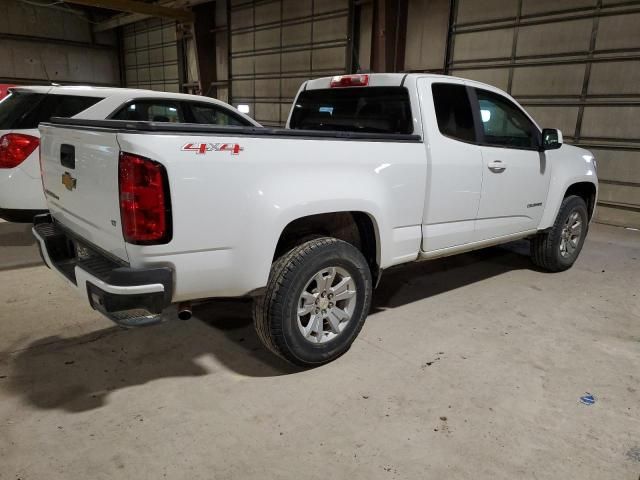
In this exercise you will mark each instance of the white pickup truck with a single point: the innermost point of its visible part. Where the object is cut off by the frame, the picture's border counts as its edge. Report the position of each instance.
(372, 171)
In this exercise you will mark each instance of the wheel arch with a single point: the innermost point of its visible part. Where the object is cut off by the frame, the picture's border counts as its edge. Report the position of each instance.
(585, 190)
(359, 228)
(584, 187)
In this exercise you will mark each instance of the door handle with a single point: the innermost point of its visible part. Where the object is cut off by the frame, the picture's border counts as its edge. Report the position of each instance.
(68, 155)
(497, 166)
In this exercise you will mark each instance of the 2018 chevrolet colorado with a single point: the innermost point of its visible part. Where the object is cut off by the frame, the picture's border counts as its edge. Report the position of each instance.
(372, 171)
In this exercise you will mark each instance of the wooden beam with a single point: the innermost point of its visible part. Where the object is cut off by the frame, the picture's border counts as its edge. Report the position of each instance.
(132, 6)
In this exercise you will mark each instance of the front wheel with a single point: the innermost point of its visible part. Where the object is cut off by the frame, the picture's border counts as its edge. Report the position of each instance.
(317, 299)
(558, 249)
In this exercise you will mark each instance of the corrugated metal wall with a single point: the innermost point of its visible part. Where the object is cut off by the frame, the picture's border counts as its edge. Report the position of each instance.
(278, 44)
(41, 44)
(426, 40)
(575, 65)
(151, 55)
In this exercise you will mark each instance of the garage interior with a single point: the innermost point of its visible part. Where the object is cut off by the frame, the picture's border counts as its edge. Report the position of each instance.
(468, 367)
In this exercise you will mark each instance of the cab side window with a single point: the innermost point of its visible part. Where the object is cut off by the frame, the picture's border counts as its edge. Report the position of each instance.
(453, 111)
(151, 111)
(504, 124)
(214, 115)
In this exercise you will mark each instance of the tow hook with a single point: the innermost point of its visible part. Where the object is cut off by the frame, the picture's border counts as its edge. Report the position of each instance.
(184, 311)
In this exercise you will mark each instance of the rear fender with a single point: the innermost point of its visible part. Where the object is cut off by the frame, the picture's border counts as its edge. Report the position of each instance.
(286, 205)
(229, 209)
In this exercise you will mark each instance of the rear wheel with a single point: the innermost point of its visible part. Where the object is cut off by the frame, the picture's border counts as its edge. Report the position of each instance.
(316, 302)
(558, 249)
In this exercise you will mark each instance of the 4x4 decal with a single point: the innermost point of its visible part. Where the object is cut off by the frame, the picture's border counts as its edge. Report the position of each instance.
(202, 148)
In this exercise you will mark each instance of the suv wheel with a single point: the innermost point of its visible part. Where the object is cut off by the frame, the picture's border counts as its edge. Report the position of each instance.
(316, 302)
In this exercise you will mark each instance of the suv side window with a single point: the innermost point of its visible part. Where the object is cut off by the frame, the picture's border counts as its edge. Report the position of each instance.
(453, 111)
(69, 105)
(40, 108)
(504, 124)
(151, 111)
(213, 115)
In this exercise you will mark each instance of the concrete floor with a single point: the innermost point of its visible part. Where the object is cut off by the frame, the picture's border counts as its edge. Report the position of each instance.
(468, 367)
(17, 246)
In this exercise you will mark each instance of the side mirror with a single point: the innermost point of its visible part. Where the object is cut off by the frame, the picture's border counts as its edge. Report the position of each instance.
(551, 139)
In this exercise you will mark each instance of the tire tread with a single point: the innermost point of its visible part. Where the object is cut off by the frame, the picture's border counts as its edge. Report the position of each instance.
(543, 245)
(272, 304)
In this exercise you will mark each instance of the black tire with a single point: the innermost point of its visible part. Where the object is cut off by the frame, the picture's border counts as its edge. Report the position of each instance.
(275, 314)
(545, 247)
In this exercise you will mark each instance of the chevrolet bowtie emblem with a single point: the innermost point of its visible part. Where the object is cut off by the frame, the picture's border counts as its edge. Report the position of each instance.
(68, 181)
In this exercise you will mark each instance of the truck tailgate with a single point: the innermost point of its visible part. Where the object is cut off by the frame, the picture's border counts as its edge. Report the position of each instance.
(80, 179)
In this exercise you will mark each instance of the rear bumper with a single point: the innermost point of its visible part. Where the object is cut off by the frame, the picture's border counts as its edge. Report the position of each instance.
(128, 296)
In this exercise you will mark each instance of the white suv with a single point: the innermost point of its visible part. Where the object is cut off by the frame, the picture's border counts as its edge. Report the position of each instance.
(21, 195)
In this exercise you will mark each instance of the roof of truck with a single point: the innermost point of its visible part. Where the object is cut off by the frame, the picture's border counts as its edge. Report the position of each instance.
(387, 80)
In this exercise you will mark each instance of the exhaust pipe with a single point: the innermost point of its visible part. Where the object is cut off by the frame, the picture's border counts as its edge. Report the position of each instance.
(184, 311)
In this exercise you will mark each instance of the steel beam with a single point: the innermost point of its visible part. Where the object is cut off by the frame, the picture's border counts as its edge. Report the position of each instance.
(56, 41)
(44, 81)
(205, 44)
(119, 21)
(389, 35)
(127, 19)
(132, 6)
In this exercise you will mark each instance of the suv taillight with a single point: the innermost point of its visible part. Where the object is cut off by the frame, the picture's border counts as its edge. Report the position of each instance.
(145, 207)
(15, 148)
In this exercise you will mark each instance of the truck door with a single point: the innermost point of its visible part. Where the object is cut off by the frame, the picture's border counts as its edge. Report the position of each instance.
(454, 174)
(515, 174)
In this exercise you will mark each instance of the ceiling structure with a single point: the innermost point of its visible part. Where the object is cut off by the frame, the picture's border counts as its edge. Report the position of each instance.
(124, 12)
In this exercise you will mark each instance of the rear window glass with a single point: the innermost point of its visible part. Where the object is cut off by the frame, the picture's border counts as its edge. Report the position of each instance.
(366, 109)
(16, 106)
(151, 111)
(213, 115)
(22, 110)
(453, 111)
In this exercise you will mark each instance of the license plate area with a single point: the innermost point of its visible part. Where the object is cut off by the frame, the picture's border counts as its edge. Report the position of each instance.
(81, 251)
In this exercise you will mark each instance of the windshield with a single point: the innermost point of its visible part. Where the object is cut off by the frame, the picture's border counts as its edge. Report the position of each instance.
(362, 109)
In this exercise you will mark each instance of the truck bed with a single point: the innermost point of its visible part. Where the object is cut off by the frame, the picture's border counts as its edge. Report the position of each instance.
(229, 208)
(196, 128)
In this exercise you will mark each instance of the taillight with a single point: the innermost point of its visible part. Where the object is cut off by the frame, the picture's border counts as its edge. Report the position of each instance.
(350, 81)
(145, 207)
(15, 148)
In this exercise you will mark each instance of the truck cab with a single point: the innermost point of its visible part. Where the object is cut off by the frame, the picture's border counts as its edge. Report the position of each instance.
(489, 170)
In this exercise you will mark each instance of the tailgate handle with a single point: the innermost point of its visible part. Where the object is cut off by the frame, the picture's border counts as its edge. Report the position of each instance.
(68, 155)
